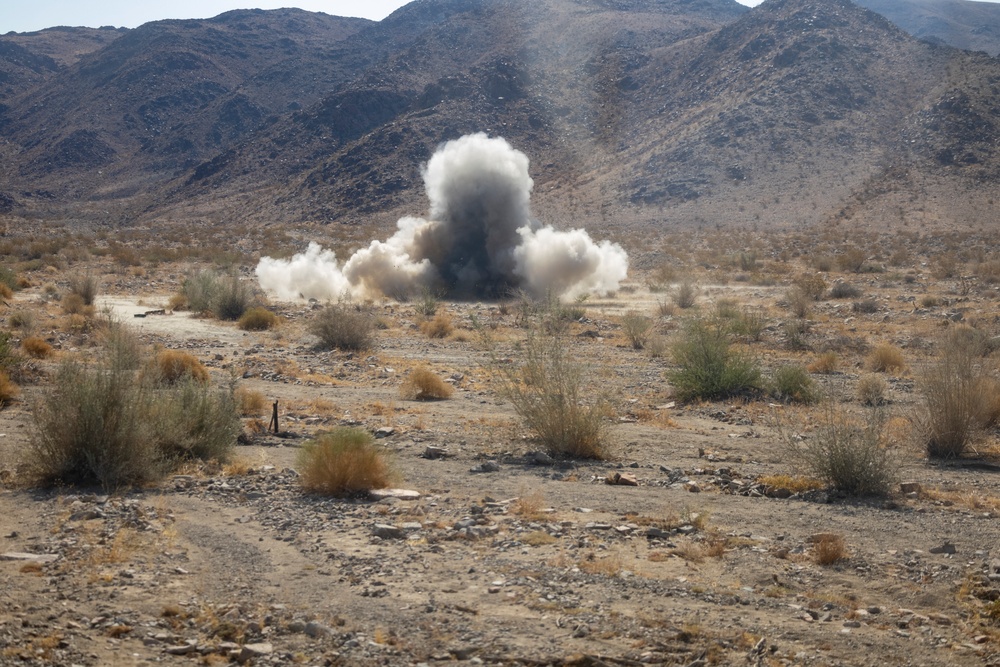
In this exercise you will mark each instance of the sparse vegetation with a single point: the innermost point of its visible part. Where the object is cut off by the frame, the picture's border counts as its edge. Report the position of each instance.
(851, 456)
(829, 549)
(249, 403)
(871, 389)
(637, 328)
(825, 363)
(344, 462)
(257, 318)
(344, 326)
(423, 384)
(709, 365)
(686, 295)
(439, 326)
(792, 383)
(36, 347)
(172, 366)
(885, 359)
(86, 286)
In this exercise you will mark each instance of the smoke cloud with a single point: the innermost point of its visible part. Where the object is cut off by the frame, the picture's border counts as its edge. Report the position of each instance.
(479, 241)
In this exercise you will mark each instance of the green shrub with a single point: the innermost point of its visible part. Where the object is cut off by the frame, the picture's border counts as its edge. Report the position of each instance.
(636, 328)
(232, 299)
(792, 383)
(547, 389)
(344, 326)
(748, 325)
(709, 366)
(257, 319)
(344, 462)
(850, 456)
(194, 421)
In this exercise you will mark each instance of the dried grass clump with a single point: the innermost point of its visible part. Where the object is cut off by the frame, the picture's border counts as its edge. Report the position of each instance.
(173, 366)
(86, 286)
(829, 549)
(885, 359)
(8, 389)
(422, 384)
(257, 319)
(344, 462)
(824, 364)
(685, 295)
(871, 389)
(344, 326)
(439, 326)
(36, 347)
(249, 402)
(74, 304)
(960, 398)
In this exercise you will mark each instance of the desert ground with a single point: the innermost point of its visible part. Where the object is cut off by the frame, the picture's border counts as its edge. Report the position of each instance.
(713, 548)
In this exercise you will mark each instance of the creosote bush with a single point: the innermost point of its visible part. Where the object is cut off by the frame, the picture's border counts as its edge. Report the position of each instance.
(86, 286)
(548, 389)
(108, 423)
(344, 462)
(849, 456)
(224, 297)
(709, 367)
(423, 384)
(792, 383)
(257, 319)
(343, 326)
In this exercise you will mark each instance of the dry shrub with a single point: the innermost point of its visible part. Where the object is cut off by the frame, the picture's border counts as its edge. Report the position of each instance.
(36, 347)
(885, 358)
(22, 319)
(74, 304)
(344, 462)
(85, 286)
(249, 402)
(637, 328)
(791, 483)
(529, 506)
(6, 292)
(423, 384)
(828, 549)
(439, 326)
(871, 389)
(257, 319)
(177, 302)
(959, 399)
(843, 290)
(343, 326)
(812, 286)
(686, 295)
(175, 365)
(791, 383)
(609, 566)
(824, 364)
(799, 302)
(8, 389)
(849, 456)
(548, 390)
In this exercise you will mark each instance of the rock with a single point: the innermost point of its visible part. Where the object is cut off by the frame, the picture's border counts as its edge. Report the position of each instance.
(946, 548)
(399, 494)
(435, 452)
(486, 466)
(411, 526)
(251, 651)
(909, 487)
(619, 479)
(316, 630)
(182, 649)
(692, 486)
(540, 458)
(387, 532)
(384, 432)
(34, 558)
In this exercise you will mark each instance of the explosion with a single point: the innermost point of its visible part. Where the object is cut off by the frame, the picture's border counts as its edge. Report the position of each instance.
(479, 241)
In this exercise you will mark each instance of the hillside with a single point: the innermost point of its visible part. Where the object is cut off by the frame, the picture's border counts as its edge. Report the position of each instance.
(637, 111)
(965, 24)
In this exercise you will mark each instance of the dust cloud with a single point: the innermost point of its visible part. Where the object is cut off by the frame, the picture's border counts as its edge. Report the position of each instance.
(479, 241)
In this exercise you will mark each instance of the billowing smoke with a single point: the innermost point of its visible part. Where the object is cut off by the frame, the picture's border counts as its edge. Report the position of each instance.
(480, 241)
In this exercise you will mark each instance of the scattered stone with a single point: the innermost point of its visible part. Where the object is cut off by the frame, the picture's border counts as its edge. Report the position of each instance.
(182, 649)
(34, 558)
(692, 486)
(251, 651)
(619, 479)
(398, 494)
(946, 548)
(387, 532)
(540, 458)
(909, 487)
(486, 466)
(384, 432)
(316, 630)
(434, 452)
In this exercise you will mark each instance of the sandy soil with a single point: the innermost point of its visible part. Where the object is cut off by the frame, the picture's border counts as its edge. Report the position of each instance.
(530, 563)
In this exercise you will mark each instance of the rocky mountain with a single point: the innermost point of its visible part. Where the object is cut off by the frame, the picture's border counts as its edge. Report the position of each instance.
(632, 111)
(966, 24)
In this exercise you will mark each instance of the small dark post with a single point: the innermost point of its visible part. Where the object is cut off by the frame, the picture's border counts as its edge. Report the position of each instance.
(273, 426)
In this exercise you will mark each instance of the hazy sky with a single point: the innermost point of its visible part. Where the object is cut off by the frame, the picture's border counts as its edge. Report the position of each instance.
(29, 15)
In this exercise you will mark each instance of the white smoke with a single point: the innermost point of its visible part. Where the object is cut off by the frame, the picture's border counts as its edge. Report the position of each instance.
(480, 240)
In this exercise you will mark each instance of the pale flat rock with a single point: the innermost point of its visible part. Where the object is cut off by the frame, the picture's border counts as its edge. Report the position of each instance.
(34, 558)
(399, 494)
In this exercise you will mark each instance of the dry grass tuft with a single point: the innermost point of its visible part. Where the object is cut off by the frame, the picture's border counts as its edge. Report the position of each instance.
(176, 365)
(423, 384)
(344, 462)
(792, 483)
(871, 389)
(885, 359)
(257, 319)
(828, 549)
(824, 364)
(440, 326)
(249, 402)
(529, 506)
(8, 389)
(36, 347)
